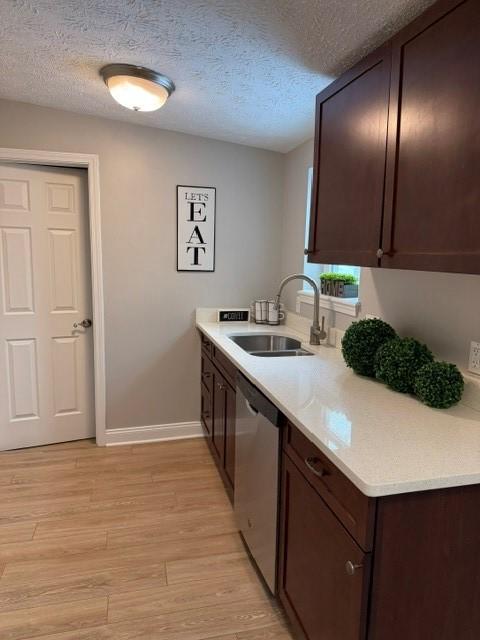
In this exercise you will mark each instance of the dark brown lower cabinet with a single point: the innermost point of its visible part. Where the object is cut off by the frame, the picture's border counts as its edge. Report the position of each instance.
(324, 596)
(218, 400)
(400, 567)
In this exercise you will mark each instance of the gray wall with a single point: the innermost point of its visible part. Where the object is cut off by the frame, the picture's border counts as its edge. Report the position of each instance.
(152, 351)
(441, 309)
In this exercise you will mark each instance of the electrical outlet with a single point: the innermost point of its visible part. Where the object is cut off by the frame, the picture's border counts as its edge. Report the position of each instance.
(474, 359)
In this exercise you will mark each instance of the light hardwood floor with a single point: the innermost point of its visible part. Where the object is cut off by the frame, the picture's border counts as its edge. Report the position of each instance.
(124, 542)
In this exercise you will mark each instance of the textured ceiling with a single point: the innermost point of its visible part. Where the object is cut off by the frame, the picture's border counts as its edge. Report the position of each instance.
(246, 71)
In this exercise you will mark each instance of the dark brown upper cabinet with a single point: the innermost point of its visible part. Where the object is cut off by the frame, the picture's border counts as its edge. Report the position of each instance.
(350, 154)
(429, 218)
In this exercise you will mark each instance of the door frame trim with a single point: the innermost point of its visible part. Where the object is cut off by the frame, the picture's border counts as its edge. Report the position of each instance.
(91, 163)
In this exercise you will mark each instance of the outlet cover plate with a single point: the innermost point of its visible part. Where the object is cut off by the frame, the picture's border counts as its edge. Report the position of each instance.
(474, 358)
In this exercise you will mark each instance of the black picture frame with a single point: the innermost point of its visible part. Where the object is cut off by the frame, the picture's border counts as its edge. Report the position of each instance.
(214, 189)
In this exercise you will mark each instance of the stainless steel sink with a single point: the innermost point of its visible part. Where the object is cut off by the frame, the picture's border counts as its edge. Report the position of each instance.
(270, 345)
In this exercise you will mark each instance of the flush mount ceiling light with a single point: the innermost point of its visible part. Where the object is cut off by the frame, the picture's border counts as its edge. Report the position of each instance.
(137, 88)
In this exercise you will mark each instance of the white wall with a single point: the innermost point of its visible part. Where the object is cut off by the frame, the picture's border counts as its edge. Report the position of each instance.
(296, 166)
(441, 309)
(152, 350)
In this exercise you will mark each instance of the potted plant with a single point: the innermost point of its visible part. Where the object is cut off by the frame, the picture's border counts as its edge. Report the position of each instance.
(340, 285)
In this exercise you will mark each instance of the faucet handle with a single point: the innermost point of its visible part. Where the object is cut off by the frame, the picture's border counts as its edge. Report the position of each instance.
(323, 333)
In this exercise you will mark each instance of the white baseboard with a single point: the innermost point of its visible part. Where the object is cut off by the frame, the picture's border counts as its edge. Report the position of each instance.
(153, 433)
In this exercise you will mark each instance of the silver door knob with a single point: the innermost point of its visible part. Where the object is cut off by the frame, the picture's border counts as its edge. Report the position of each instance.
(84, 323)
(351, 568)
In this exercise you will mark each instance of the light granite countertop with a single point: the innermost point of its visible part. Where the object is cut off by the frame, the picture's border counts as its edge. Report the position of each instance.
(384, 442)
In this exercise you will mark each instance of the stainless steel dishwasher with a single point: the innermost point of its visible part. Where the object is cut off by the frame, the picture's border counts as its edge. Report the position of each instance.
(257, 445)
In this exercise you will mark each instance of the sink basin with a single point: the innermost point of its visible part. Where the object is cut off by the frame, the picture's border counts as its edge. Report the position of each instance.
(270, 345)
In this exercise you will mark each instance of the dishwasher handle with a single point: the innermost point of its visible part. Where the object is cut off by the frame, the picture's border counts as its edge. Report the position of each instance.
(250, 408)
(258, 401)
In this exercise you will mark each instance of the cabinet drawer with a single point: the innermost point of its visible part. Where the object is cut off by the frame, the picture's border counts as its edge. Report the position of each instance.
(354, 510)
(225, 365)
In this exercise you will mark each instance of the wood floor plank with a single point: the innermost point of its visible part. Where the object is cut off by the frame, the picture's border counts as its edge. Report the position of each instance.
(18, 594)
(58, 547)
(175, 526)
(119, 474)
(275, 632)
(183, 446)
(52, 619)
(63, 509)
(205, 483)
(121, 517)
(20, 532)
(171, 598)
(206, 567)
(45, 491)
(207, 623)
(6, 478)
(103, 559)
(33, 466)
(193, 498)
(21, 509)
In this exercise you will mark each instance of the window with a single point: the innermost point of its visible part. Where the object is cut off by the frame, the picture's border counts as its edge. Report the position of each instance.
(314, 270)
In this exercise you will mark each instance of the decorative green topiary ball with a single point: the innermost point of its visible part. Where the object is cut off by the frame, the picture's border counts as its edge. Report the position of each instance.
(439, 385)
(361, 341)
(397, 362)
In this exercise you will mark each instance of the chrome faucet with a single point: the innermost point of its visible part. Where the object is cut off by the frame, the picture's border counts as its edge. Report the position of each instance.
(316, 333)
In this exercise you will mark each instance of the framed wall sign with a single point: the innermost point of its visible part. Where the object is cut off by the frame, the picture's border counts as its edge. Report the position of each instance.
(195, 228)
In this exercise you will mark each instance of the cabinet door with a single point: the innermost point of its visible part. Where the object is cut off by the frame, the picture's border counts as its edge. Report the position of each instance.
(230, 410)
(321, 598)
(349, 165)
(433, 182)
(219, 407)
(206, 411)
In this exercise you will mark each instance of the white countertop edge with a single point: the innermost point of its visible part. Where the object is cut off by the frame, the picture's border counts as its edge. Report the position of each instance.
(370, 490)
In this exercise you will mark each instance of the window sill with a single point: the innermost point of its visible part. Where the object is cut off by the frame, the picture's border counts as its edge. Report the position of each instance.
(347, 306)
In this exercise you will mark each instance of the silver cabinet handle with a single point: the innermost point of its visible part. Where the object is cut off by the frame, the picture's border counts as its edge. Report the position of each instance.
(310, 462)
(86, 324)
(380, 253)
(221, 386)
(351, 568)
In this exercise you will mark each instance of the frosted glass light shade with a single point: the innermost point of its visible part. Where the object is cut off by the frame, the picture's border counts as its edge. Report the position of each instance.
(136, 93)
(137, 88)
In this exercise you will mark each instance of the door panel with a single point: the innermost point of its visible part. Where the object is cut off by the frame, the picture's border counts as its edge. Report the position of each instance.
(46, 394)
(349, 172)
(433, 187)
(63, 270)
(22, 379)
(65, 374)
(320, 597)
(17, 276)
(14, 195)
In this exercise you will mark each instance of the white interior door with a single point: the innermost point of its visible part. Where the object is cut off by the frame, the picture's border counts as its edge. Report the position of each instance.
(46, 364)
